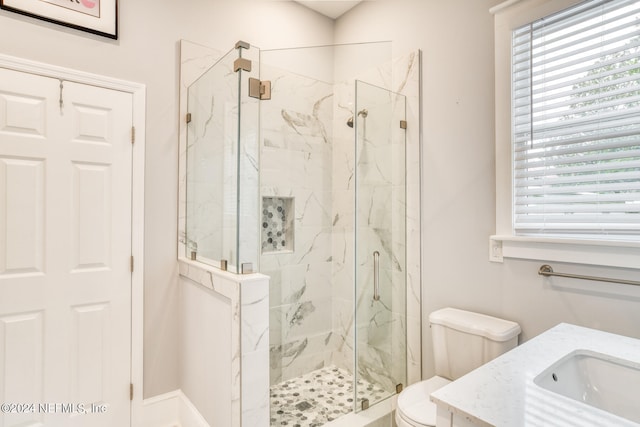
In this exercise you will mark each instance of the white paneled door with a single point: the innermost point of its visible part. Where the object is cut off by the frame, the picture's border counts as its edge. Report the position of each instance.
(65, 253)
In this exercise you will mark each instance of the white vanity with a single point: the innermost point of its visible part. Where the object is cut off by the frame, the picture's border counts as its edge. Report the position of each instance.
(567, 376)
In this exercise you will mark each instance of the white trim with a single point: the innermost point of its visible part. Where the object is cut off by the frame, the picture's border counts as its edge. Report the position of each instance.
(138, 92)
(589, 252)
(161, 411)
(173, 409)
(188, 414)
(56, 72)
(578, 242)
(137, 250)
(620, 254)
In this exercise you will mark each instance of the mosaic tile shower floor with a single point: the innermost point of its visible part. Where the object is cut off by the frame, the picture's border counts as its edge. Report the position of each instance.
(318, 397)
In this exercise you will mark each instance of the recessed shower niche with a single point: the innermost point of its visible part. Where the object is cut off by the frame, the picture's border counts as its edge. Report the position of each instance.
(277, 234)
(318, 187)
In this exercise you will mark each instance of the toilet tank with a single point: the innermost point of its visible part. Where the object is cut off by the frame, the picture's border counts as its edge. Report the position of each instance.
(463, 340)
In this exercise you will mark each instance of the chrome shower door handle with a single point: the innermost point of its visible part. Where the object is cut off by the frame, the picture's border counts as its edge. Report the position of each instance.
(376, 276)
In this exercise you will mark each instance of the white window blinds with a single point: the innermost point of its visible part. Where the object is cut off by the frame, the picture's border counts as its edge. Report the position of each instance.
(576, 122)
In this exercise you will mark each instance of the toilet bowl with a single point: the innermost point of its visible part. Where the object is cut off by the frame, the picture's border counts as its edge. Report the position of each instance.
(414, 407)
(462, 341)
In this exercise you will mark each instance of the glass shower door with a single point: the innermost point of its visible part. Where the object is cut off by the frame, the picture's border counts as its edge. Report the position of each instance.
(380, 235)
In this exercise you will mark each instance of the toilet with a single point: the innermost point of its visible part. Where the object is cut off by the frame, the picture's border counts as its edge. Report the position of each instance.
(462, 342)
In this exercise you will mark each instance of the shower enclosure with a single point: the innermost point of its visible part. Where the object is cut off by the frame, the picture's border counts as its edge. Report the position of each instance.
(222, 174)
(297, 168)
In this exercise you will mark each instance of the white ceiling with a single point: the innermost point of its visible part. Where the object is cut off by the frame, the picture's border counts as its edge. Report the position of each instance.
(331, 8)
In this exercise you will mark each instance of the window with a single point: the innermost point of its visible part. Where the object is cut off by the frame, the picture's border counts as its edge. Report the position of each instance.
(576, 123)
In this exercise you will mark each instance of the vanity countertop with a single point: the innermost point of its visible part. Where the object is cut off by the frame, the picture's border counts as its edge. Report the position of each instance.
(502, 393)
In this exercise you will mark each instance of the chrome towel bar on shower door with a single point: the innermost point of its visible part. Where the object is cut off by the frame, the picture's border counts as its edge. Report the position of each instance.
(546, 270)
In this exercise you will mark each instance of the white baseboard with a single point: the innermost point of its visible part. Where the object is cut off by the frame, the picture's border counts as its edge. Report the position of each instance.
(189, 414)
(172, 409)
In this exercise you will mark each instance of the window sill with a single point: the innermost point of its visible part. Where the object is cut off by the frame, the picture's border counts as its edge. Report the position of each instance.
(590, 252)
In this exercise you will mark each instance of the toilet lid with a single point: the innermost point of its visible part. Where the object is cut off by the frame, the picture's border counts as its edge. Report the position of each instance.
(414, 404)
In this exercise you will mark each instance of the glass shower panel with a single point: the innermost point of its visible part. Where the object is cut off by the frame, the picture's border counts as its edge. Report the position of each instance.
(307, 210)
(380, 235)
(212, 166)
(296, 211)
(222, 163)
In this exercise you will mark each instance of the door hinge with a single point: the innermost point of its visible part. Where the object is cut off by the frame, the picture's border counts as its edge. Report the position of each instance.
(260, 89)
(130, 391)
(133, 134)
(132, 263)
(188, 117)
(403, 124)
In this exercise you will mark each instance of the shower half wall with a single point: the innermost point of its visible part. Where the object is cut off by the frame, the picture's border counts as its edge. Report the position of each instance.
(308, 173)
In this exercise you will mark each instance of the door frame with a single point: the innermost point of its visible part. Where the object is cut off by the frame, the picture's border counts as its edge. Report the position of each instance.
(138, 92)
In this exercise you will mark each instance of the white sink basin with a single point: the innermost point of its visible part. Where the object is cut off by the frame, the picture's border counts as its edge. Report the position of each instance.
(598, 380)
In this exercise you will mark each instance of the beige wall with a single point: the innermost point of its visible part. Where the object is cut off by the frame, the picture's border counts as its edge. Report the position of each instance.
(456, 37)
(147, 52)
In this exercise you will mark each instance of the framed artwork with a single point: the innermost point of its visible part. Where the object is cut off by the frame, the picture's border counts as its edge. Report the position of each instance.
(94, 16)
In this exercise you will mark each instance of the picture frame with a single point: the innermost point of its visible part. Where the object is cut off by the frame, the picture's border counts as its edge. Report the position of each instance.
(94, 16)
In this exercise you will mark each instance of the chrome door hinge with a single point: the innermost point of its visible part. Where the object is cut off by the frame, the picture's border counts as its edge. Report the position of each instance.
(133, 134)
(130, 391)
(132, 263)
(260, 89)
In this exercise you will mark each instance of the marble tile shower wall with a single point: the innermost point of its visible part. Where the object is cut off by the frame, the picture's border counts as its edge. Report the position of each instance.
(296, 157)
(308, 154)
(342, 246)
(377, 321)
(382, 329)
(315, 323)
(406, 80)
